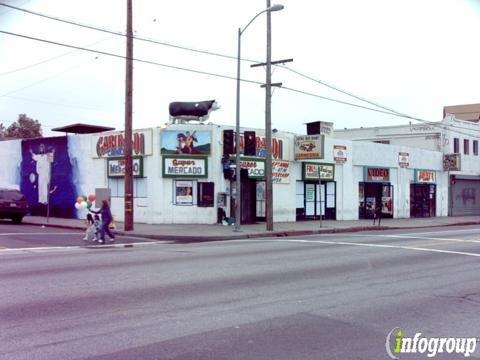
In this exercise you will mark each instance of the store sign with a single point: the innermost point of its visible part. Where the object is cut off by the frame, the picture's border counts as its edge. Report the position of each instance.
(260, 147)
(280, 172)
(451, 162)
(424, 176)
(340, 154)
(403, 159)
(113, 144)
(309, 147)
(116, 167)
(185, 142)
(377, 174)
(255, 167)
(185, 167)
(310, 171)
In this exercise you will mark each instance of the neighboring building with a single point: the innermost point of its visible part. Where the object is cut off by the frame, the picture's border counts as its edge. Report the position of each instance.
(469, 112)
(182, 176)
(450, 136)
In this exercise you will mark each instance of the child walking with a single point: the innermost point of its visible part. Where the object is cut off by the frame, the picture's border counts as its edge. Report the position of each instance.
(97, 223)
(91, 229)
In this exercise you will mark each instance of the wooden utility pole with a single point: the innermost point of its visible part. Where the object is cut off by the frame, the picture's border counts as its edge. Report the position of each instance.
(128, 205)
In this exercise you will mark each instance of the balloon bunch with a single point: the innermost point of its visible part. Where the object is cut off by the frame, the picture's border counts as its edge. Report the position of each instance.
(84, 202)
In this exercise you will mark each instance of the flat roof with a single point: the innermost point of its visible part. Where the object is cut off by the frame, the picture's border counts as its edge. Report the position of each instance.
(83, 129)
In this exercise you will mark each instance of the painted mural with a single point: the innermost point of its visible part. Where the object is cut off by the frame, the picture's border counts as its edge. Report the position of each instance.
(185, 142)
(46, 177)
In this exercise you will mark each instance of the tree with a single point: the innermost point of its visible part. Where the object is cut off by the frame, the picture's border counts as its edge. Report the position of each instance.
(23, 128)
(2, 131)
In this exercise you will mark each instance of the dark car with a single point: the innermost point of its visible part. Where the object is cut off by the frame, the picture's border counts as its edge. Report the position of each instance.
(13, 205)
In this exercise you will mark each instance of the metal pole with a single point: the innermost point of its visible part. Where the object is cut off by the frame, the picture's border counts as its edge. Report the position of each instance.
(128, 197)
(268, 129)
(238, 197)
(320, 194)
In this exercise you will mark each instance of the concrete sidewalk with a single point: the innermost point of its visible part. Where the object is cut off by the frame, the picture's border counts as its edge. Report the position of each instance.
(199, 232)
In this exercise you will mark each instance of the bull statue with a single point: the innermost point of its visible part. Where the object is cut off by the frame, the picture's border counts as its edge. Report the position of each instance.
(187, 111)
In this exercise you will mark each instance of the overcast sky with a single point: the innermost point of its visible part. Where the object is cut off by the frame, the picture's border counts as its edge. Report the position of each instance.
(414, 56)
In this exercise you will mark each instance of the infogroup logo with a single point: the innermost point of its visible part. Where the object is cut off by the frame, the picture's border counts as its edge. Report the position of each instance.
(398, 343)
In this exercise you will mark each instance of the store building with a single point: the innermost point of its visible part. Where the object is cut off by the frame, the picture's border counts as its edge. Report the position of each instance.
(181, 175)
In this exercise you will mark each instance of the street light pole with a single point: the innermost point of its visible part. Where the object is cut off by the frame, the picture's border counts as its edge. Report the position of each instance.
(238, 198)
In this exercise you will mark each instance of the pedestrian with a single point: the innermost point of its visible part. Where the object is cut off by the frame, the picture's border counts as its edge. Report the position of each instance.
(98, 227)
(377, 214)
(91, 229)
(106, 215)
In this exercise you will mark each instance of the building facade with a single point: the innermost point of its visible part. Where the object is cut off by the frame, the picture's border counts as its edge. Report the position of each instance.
(182, 175)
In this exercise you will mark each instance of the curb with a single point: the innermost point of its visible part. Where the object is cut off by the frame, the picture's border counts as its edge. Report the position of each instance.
(284, 233)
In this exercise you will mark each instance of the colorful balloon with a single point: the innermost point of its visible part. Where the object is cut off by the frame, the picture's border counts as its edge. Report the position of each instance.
(91, 197)
(78, 206)
(89, 204)
(84, 204)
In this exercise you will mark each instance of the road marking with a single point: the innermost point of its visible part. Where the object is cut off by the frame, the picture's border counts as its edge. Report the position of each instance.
(77, 247)
(380, 246)
(416, 237)
(42, 233)
(446, 231)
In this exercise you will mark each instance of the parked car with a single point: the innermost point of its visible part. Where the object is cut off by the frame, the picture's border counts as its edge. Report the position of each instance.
(13, 205)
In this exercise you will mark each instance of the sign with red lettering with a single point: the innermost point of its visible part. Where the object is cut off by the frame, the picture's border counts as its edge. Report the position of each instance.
(113, 144)
(424, 176)
(280, 172)
(377, 174)
(185, 167)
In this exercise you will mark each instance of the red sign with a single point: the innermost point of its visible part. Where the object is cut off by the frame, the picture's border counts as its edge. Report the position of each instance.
(378, 174)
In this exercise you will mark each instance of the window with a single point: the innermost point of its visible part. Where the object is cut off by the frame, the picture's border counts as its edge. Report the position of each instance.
(205, 192)
(466, 146)
(456, 145)
(117, 187)
(475, 147)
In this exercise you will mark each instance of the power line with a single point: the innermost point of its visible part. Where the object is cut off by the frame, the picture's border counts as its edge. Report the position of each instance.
(388, 112)
(51, 59)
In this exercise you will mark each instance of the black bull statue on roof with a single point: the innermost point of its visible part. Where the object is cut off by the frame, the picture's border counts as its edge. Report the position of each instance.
(199, 110)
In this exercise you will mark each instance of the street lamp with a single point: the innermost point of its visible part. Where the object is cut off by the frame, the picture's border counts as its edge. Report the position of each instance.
(237, 128)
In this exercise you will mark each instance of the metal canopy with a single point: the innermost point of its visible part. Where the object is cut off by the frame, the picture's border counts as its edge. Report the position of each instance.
(83, 129)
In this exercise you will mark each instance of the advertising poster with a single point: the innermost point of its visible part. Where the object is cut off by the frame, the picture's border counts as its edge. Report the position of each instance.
(184, 192)
(190, 142)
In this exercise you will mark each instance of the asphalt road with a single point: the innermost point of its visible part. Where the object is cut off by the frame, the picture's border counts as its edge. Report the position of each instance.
(315, 297)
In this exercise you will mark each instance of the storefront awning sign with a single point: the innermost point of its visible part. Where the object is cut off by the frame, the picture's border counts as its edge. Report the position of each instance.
(185, 167)
(309, 147)
(311, 170)
(116, 167)
(377, 174)
(255, 167)
(425, 176)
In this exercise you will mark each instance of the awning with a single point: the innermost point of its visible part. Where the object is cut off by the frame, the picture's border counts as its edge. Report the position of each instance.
(83, 129)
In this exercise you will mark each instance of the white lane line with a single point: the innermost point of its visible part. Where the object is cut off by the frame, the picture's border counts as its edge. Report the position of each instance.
(42, 233)
(416, 237)
(76, 247)
(380, 246)
(446, 231)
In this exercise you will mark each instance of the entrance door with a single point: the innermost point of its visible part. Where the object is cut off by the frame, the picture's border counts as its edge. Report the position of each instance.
(422, 200)
(248, 203)
(314, 201)
(372, 196)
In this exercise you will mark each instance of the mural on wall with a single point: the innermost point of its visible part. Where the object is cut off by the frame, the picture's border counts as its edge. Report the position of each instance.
(46, 177)
(185, 142)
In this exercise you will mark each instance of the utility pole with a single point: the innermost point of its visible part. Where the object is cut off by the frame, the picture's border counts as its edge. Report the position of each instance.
(128, 205)
(268, 123)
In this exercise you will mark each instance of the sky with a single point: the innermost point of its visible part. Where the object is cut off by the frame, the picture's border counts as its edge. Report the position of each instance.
(411, 56)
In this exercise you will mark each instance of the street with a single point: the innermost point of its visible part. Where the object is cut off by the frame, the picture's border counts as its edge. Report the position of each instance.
(312, 297)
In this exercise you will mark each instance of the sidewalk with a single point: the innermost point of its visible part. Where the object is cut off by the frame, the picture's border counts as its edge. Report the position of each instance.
(199, 232)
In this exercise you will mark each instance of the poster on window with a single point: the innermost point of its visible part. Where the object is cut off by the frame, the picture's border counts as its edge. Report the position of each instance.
(184, 192)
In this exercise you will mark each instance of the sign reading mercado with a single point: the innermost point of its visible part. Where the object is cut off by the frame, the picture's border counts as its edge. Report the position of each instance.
(113, 144)
(309, 147)
(185, 167)
(116, 167)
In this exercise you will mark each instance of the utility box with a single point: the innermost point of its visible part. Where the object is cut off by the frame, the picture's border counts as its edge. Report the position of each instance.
(102, 194)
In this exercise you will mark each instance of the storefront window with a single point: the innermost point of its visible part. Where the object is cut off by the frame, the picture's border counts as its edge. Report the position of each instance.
(117, 187)
(183, 192)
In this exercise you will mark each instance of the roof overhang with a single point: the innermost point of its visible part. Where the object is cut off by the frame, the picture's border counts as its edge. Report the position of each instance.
(83, 129)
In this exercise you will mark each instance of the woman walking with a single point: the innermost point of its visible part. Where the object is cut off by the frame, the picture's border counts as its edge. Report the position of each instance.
(107, 218)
